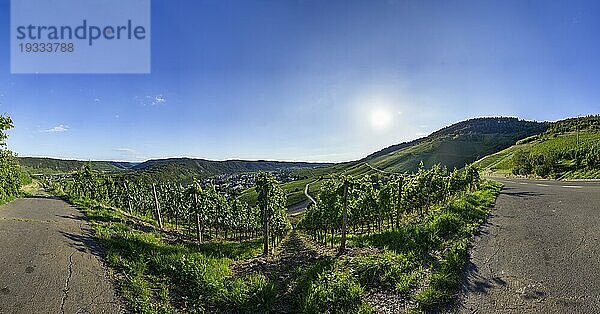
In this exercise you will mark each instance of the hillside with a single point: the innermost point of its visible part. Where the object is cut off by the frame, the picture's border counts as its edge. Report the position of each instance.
(569, 149)
(178, 169)
(44, 165)
(186, 169)
(453, 146)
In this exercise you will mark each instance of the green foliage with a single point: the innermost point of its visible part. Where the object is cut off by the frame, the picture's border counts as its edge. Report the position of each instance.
(587, 123)
(454, 146)
(6, 123)
(568, 149)
(381, 203)
(272, 197)
(445, 278)
(434, 245)
(10, 170)
(43, 165)
(556, 160)
(335, 291)
(396, 270)
(197, 209)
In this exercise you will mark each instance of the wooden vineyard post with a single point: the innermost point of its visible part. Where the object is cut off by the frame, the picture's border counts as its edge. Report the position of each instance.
(158, 217)
(398, 201)
(266, 223)
(198, 229)
(344, 218)
(128, 198)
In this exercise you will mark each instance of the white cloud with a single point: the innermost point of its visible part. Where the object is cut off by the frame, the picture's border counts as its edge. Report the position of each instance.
(130, 153)
(58, 129)
(159, 99)
(126, 150)
(152, 100)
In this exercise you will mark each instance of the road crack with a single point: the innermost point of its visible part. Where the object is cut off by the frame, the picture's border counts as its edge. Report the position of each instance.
(577, 247)
(67, 282)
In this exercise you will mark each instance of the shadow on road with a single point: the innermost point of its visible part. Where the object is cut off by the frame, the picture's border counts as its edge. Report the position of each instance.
(49, 197)
(84, 243)
(70, 217)
(518, 193)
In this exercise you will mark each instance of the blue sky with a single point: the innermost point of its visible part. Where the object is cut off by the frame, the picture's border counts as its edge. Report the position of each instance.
(311, 80)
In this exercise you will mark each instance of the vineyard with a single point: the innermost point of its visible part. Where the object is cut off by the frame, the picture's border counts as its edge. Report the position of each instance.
(374, 203)
(195, 210)
(569, 149)
(350, 211)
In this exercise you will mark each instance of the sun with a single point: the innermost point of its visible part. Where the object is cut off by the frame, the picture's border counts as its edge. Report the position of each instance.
(380, 119)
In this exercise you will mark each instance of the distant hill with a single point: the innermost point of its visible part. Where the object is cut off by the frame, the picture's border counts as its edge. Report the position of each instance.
(454, 146)
(179, 169)
(186, 169)
(44, 165)
(569, 149)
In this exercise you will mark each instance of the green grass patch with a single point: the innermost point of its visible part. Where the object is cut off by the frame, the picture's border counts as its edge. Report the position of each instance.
(327, 286)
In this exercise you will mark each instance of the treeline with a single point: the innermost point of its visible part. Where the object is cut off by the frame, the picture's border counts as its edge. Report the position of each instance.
(590, 123)
(10, 169)
(196, 210)
(550, 163)
(375, 203)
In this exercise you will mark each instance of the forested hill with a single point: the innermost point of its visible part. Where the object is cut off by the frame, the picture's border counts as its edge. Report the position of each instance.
(184, 169)
(457, 144)
(569, 149)
(453, 146)
(188, 168)
(44, 165)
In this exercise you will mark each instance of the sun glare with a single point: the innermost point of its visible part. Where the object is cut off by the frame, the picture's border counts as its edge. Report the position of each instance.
(380, 119)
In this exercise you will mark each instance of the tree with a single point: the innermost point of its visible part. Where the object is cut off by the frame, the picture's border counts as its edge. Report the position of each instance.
(521, 163)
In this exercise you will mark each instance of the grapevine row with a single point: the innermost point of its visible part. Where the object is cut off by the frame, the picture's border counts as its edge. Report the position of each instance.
(195, 209)
(376, 203)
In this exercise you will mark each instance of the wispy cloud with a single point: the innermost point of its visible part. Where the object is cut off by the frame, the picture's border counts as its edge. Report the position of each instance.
(126, 150)
(152, 100)
(58, 129)
(130, 153)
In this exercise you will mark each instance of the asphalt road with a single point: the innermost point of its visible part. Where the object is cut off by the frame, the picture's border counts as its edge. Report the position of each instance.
(300, 207)
(539, 251)
(49, 262)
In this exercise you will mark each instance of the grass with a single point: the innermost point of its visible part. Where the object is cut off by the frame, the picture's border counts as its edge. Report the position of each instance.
(157, 275)
(327, 286)
(335, 291)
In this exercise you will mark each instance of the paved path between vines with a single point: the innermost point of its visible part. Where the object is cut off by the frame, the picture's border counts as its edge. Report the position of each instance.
(539, 251)
(49, 262)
